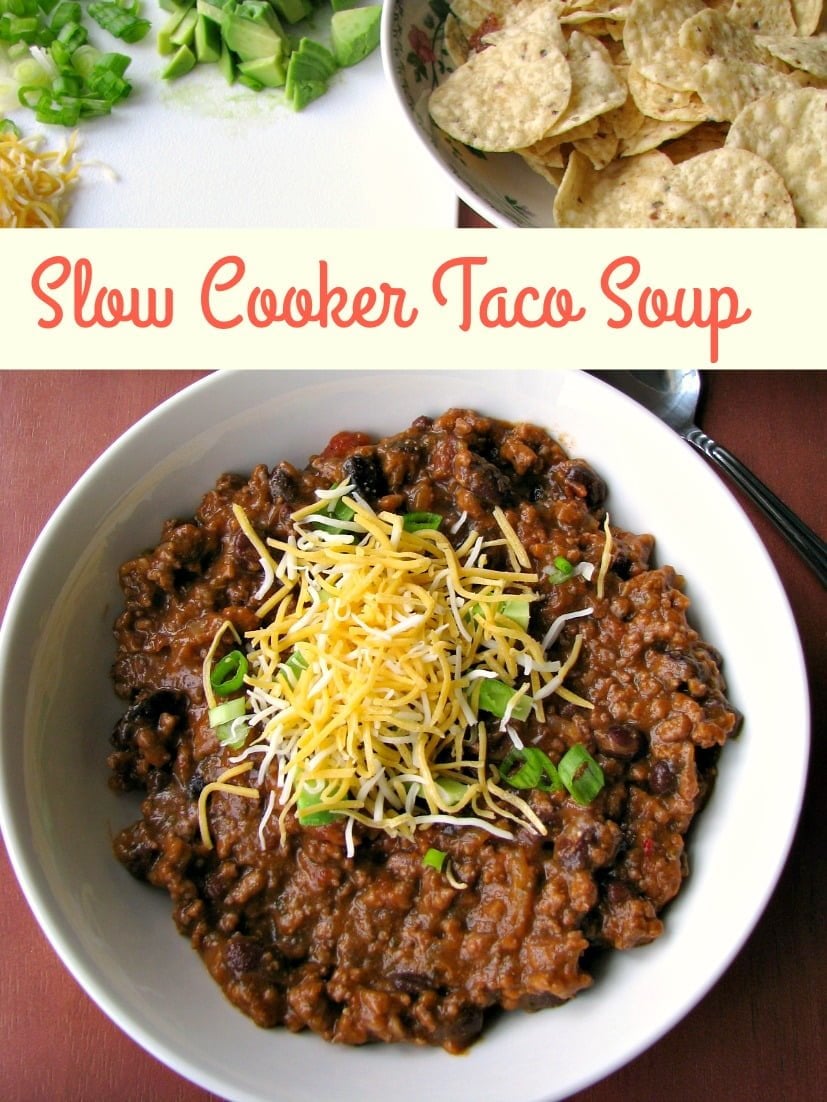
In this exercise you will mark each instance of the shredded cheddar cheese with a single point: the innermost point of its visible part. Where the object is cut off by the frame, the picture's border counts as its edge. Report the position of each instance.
(34, 183)
(364, 677)
(221, 785)
(605, 558)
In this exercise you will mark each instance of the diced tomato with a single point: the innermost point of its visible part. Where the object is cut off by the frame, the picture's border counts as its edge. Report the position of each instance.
(344, 443)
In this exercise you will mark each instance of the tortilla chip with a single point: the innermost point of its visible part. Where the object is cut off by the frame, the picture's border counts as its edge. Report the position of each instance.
(634, 193)
(661, 102)
(737, 69)
(650, 36)
(763, 16)
(807, 54)
(651, 135)
(700, 139)
(790, 132)
(807, 15)
(595, 86)
(456, 41)
(737, 188)
(506, 97)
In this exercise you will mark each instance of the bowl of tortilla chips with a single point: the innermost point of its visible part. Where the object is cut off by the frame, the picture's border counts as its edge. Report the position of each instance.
(620, 113)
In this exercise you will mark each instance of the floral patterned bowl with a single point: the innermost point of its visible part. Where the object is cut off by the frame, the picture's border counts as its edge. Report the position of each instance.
(499, 186)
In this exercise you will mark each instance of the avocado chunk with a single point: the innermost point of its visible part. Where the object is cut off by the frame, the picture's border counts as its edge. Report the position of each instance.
(181, 62)
(309, 71)
(267, 71)
(207, 40)
(354, 33)
(251, 33)
(293, 10)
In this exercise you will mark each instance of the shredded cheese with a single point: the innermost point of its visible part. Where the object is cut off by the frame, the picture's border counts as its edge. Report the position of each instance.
(363, 681)
(34, 183)
(605, 559)
(208, 657)
(221, 785)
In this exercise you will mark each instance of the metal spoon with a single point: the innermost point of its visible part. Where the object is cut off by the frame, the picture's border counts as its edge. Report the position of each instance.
(673, 396)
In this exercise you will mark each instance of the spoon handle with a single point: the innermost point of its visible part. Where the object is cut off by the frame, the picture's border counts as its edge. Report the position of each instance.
(812, 549)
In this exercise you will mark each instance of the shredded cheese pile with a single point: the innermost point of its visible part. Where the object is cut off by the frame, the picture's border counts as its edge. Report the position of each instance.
(34, 183)
(364, 678)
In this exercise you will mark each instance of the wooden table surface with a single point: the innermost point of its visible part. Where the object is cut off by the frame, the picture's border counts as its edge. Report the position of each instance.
(758, 1035)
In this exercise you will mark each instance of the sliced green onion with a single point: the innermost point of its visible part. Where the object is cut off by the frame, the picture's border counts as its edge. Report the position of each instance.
(417, 522)
(309, 796)
(534, 769)
(563, 570)
(227, 711)
(581, 774)
(7, 126)
(453, 790)
(233, 734)
(228, 673)
(516, 609)
(333, 507)
(293, 666)
(119, 21)
(495, 696)
(434, 859)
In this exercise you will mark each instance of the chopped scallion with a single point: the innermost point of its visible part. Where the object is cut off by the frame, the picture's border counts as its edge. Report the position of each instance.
(581, 774)
(417, 522)
(233, 734)
(228, 673)
(293, 666)
(530, 767)
(434, 859)
(310, 796)
(227, 711)
(495, 696)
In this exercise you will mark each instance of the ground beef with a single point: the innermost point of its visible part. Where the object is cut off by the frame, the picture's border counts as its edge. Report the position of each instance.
(378, 947)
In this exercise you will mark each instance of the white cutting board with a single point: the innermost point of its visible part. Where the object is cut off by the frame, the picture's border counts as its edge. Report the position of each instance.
(197, 153)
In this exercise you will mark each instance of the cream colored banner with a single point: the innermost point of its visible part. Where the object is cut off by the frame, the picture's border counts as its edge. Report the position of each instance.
(542, 299)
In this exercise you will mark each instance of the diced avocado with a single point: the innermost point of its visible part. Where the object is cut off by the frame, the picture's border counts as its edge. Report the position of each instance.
(215, 9)
(268, 71)
(252, 39)
(207, 40)
(226, 63)
(343, 5)
(293, 10)
(181, 62)
(165, 43)
(354, 33)
(171, 6)
(309, 48)
(184, 33)
(259, 11)
(306, 91)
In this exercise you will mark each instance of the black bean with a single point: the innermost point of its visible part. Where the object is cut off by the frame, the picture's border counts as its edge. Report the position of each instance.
(622, 566)
(195, 786)
(410, 983)
(284, 483)
(365, 474)
(621, 740)
(581, 481)
(146, 711)
(485, 480)
(243, 954)
(661, 778)
(617, 893)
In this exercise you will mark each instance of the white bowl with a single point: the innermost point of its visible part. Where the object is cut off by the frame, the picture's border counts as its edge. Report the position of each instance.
(499, 186)
(57, 708)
